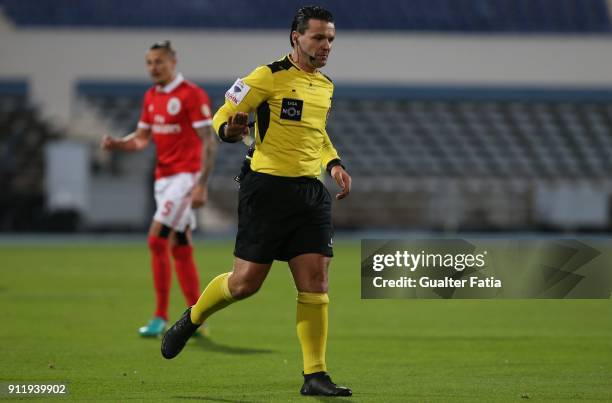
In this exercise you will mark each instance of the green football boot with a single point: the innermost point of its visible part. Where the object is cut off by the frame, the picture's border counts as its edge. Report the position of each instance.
(154, 328)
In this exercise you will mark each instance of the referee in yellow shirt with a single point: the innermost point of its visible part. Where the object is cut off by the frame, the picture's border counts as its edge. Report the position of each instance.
(284, 211)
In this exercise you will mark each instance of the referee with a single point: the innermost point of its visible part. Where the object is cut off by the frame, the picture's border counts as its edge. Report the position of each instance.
(284, 211)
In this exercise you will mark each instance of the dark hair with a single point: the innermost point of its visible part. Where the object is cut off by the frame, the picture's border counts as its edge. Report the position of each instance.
(300, 20)
(164, 45)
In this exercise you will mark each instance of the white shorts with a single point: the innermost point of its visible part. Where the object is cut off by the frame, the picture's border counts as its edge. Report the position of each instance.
(173, 201)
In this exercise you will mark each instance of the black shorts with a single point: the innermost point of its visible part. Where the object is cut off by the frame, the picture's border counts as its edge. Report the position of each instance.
(280, 218)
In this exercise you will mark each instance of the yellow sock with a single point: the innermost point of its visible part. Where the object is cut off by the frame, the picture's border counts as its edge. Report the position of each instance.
(312, 329)
(216, 296)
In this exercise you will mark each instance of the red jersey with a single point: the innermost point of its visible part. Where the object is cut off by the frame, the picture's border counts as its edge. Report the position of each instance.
(172, 113)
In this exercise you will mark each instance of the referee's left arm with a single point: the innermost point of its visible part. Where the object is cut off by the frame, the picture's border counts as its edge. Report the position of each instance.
(332, 163)
(329, 155)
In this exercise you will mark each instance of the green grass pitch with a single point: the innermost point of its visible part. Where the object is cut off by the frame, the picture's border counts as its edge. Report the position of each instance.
(70, 313)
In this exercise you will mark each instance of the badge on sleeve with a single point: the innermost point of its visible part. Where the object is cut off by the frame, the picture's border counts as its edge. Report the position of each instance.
(237, 92)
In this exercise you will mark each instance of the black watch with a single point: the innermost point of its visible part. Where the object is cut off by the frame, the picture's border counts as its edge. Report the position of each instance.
(332, 164)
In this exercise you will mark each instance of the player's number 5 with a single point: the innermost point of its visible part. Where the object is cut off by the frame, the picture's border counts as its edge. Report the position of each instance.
(167, 207)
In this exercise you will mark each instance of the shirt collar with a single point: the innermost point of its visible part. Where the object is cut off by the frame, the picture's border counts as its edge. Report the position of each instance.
(288, 57)
(168, 88)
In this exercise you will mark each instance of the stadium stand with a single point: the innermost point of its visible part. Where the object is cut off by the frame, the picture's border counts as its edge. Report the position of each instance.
(422, 157)
(484, 133)
(22, 137)
(391, 15)
(466, 138)
(477, 151)
(470, 161)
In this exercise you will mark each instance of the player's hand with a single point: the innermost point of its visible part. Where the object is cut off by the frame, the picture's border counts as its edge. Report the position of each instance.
(199, 196)
(109, 143)
(236, 127)
(343, 179)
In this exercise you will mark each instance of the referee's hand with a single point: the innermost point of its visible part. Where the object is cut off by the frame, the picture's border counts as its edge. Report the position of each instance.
(236, 127)
(343, 179)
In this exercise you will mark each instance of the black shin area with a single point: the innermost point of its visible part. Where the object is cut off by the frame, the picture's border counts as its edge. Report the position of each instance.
(181, 238)
(164, 232)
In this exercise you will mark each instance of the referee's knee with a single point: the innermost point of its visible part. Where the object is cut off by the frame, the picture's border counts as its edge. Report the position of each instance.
(321, 283)
(317, 282)
(243, 289)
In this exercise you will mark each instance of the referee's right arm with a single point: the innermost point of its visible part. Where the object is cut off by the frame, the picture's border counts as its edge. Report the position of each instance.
(244, 96)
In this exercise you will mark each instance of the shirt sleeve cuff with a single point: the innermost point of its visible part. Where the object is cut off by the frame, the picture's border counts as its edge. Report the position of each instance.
(201, 123)
(333, 163)
(143, 125)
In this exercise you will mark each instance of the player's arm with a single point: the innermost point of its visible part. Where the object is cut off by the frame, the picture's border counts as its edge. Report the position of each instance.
(138, 139)
(198, 110)
(244, 96)
(135, 141)
(209, 153)
(331, 161)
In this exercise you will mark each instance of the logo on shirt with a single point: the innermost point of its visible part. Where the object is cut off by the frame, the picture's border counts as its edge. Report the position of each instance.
(174, 106)
(150, 108)
(291, 109)
(166, 129)
(237, 92)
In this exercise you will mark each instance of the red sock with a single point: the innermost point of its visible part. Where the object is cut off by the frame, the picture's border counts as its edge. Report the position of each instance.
(162, 274)
(186, 272)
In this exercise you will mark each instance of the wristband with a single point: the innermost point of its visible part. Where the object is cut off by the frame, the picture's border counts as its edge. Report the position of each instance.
(332, 164)
(222, 134)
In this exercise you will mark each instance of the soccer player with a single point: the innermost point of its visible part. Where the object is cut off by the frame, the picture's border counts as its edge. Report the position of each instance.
(284, 211)
(176, 114)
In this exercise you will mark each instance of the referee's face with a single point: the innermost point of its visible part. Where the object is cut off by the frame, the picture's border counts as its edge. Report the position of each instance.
(316, 42)
(161, 65)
